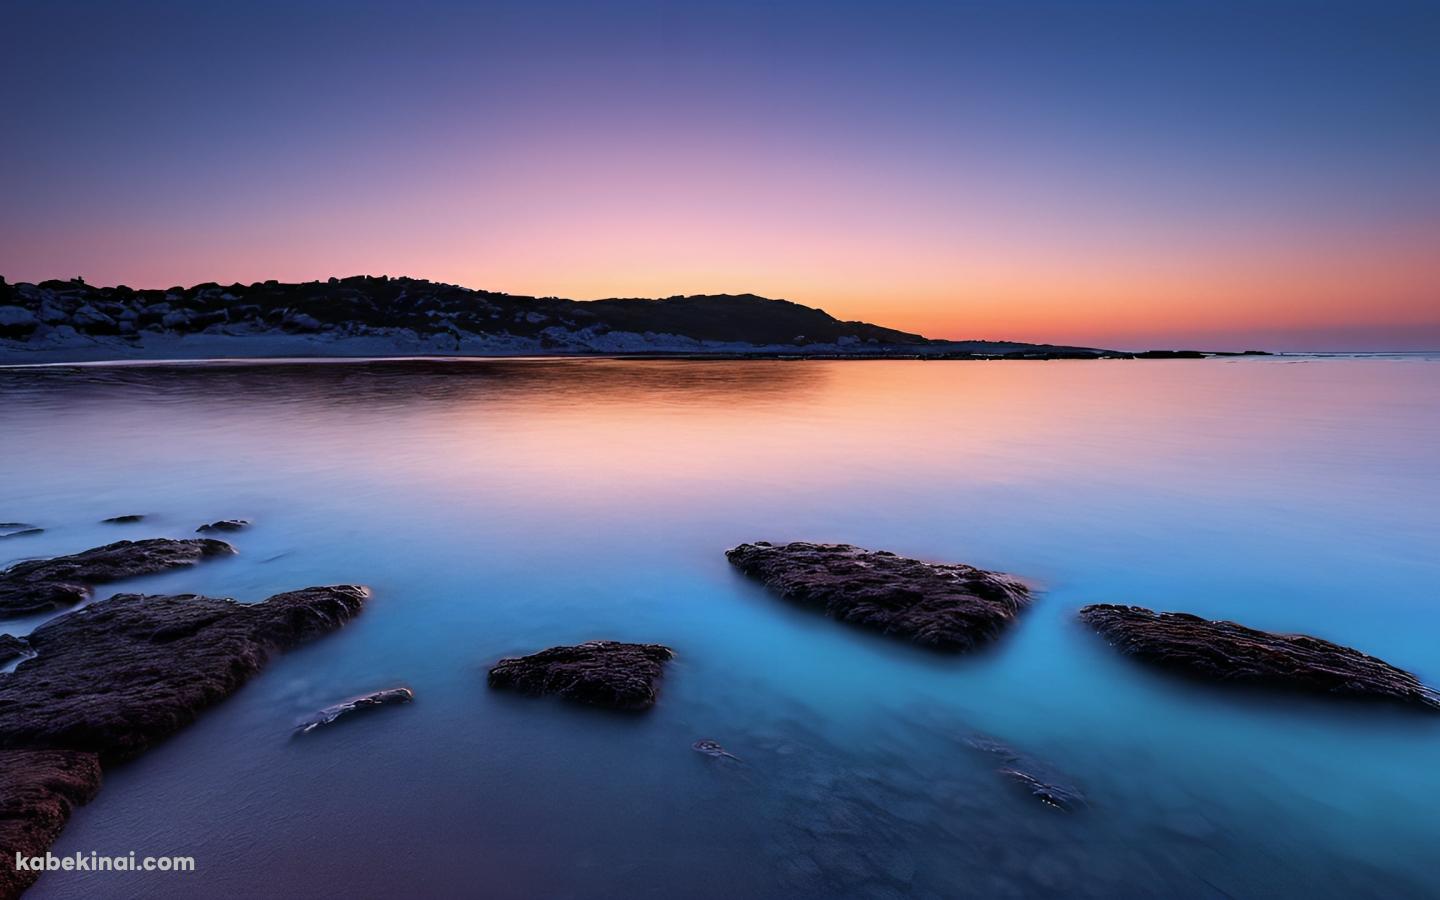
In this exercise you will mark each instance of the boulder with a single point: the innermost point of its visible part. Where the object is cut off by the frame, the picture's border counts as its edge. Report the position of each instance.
(122, 520)
(1230, 653)
(330, 714)
(600, 673)
(17, 322)
(942, 606)
(44, 584)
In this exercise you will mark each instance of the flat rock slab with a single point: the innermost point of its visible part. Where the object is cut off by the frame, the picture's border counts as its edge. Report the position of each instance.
(115, 677)
(1231, 653)
(942, 606)
(600, 673)
(123, 520)
(38, 791)
(44, 584)
(331, 714)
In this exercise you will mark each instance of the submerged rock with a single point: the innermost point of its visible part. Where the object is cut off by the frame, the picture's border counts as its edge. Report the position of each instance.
(224, 525)
(115, 677)
(45, 584)
(943, 606)
(122, 520)
(601, 673)
(38, 791)
(1228, 652)
(330, 714)
(12, 648)
(713, 748)
(1037, 778)
(18, 529)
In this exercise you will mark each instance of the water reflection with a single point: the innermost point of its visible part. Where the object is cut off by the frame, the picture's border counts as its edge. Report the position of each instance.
(498, 507)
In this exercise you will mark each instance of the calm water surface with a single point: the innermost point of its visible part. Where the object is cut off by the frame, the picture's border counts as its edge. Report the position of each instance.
(496, 508)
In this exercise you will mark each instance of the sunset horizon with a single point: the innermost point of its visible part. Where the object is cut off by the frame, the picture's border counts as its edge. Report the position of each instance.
(1223, 174)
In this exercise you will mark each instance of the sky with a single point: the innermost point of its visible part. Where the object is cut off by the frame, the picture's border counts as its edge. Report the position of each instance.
(1125, 174)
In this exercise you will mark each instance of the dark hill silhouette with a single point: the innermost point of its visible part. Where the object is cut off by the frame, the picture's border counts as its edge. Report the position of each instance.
(57, 321)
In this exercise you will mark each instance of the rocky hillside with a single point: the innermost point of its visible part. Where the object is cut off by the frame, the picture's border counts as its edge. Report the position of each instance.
(373, 314)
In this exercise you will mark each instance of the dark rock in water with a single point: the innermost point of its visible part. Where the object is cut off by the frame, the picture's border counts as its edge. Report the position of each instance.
(122, 520)
(1037, 778)
(18, 529)
(1227, 652)
(713, 748)
(330, 714)
(12, 648)
(224, 525)
(602, 673)
(38, 790)
(44, 584)
(115, 677)
(942, 606)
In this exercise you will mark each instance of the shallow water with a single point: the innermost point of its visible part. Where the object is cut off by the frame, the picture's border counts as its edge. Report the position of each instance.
(500, 507)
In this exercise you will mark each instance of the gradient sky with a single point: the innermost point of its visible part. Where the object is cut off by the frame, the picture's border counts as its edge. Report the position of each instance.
(1149, 173)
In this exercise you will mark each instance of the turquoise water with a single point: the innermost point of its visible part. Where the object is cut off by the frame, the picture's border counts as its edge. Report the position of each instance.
(496, 508)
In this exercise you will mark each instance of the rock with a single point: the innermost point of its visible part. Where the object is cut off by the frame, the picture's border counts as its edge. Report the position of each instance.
(39, 585)
(713, 748)
(116, 676)
(942, 606)
(38, 791)
(20, 531)
(601, 673)
(17, 322)
(224, 525)
(330, 714)
(12, 648)
(122, 520)
(88, 318)
(1036, 777)
(1231, 653)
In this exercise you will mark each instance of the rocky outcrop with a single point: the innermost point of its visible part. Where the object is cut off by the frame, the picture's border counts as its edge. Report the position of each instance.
(18, 529)
(224, 525)
(1230, 653)
(116, 676)
(943, 606)
(38, 791)
(1035, 777)
(44, 584)
(600, 673)
(122, 520)
(331, 714)
(12, 648)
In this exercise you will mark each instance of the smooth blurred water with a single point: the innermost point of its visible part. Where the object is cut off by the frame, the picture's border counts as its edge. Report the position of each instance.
(499, 507)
